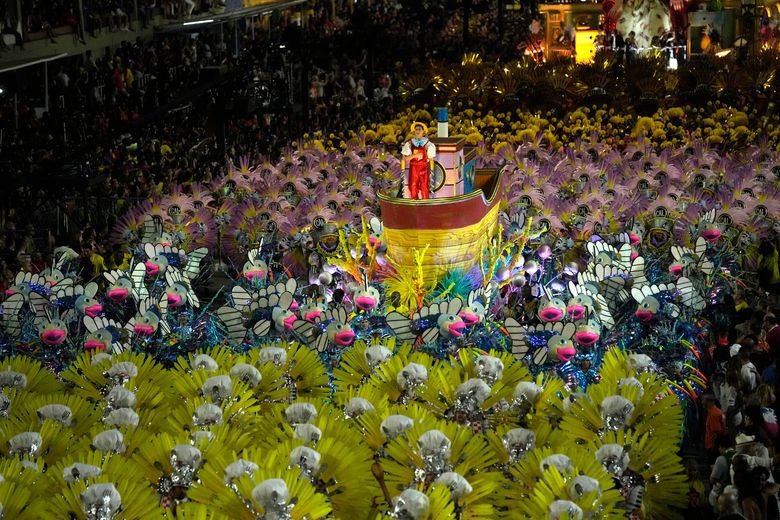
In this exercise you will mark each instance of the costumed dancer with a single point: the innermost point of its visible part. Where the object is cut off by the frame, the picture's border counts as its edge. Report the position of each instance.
(534, 43)
(420, 151)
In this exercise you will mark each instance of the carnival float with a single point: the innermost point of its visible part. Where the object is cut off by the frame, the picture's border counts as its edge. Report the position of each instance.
(525, 344)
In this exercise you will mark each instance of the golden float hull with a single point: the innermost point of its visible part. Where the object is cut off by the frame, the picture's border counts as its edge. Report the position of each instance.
(456, 230)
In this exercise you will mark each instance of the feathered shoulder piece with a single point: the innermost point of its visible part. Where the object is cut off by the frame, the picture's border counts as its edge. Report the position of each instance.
(26, 282)
(708, 226)
(429, 322)
(258, 311)
(585, 301)
(62, 256)
(642, 292)
(162, 256)
(606, 280)
(687, 259)
(533, 342)
(179, 290)
(123, 284)
(103, 335)
(149, 319)
(331, 327)
(649, 297)
(690, 295)
(602, 253)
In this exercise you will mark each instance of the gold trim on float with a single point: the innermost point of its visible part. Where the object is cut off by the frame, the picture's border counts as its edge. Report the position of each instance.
(449, 248)
(432, 202)
(448, 200)
(421, 237)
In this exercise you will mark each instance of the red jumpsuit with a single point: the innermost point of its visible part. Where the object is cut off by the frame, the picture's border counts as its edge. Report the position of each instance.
(419, 177)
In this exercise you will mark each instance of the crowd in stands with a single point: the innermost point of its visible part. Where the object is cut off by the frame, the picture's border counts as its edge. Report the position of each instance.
(45, 18)
(90, 105)
(128, 125)
(739, 418)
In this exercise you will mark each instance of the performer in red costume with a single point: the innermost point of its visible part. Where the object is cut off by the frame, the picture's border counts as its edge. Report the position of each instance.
(420, 151)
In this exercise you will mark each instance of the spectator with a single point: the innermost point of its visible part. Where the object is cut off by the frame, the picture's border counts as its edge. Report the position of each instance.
(696, 497)
(765, 398)
(758, 356)
(721, 349)
(728, 505)
(759, 496)
(9, 27)
(6, 276)
(70, 20)
(169, 8)
(772, 330)
(97, 260)
(752, 451)
(720, 476)
(769, 376)
(715, 426)
(731, 399)
(752, 499)
(769, 491)
(752, 325)
(768, 272)
(119, 19)
(190, 7)
(145, 9)
(756, 426)
(748, 375)
(36, 24)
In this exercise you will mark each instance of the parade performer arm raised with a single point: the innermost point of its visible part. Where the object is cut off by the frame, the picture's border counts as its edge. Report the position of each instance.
(420, 151)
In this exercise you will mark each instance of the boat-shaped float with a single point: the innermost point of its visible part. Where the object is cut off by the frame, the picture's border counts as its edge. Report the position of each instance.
(456, 225)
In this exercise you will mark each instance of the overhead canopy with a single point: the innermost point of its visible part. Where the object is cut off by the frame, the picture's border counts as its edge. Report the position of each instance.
(237, 14)
(11, 65)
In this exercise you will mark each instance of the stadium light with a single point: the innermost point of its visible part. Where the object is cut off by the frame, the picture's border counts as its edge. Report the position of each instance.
(198, 22)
